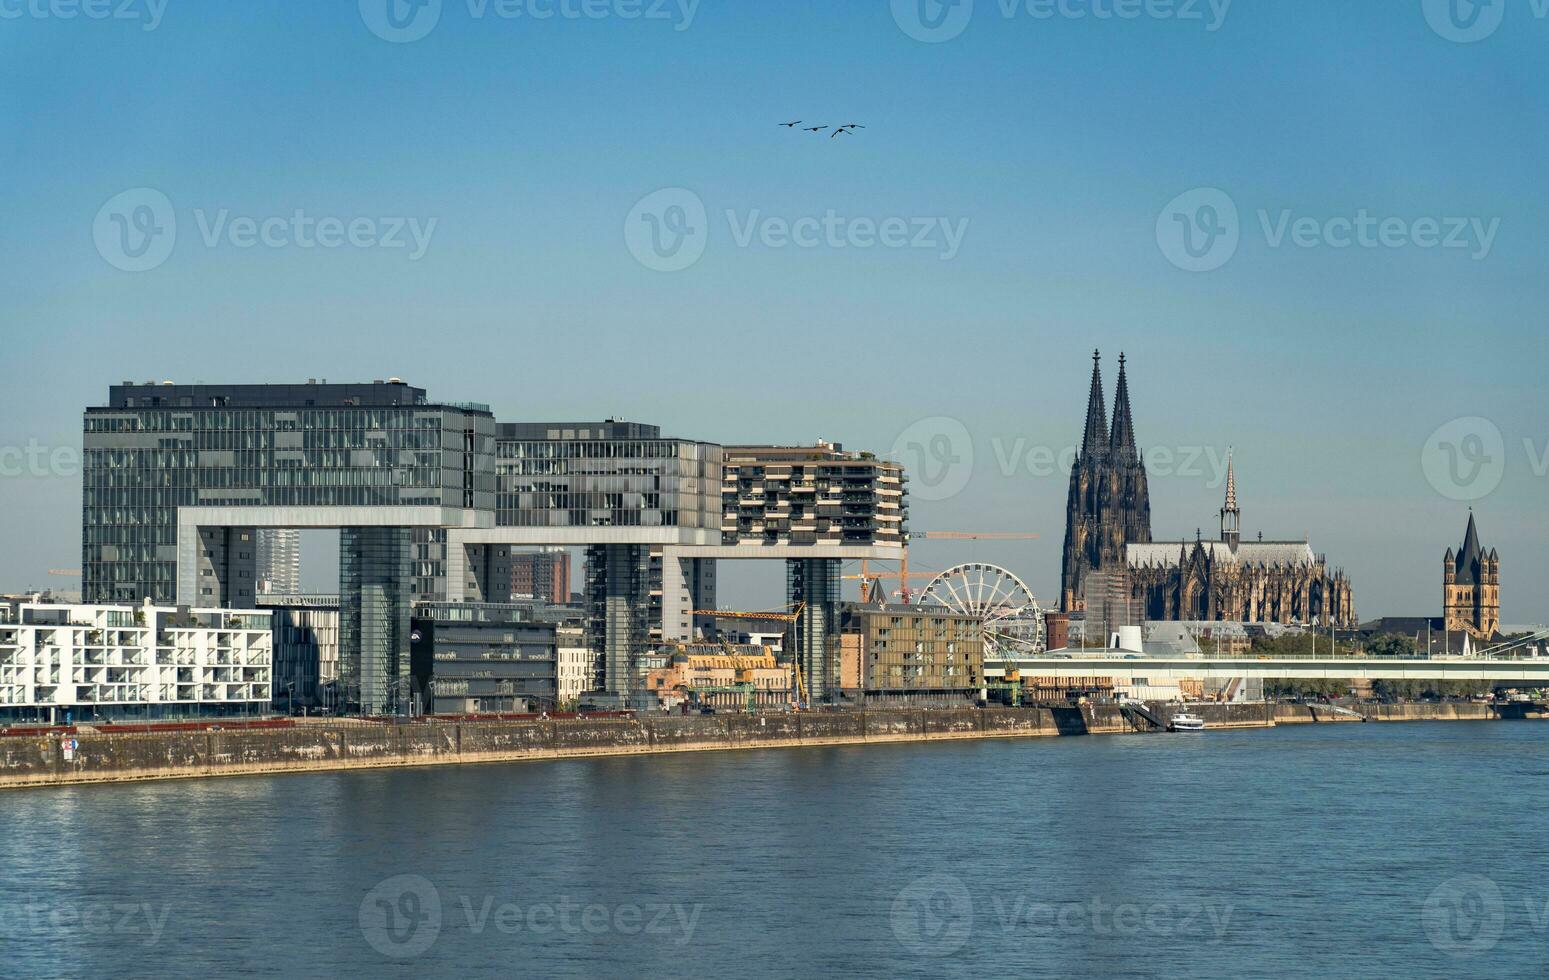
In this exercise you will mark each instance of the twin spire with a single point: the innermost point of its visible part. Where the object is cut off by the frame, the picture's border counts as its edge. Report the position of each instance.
(1099, 440)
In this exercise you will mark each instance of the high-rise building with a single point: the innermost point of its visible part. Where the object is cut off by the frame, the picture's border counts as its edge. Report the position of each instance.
(541, 575)
(434, 502)
(279, 561)
(1109, 504)
(1471, 586)
(178, 479)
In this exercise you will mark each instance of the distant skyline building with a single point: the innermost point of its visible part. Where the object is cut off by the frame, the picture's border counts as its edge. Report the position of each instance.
(279, 561)
(1471, 586)
(541, 575)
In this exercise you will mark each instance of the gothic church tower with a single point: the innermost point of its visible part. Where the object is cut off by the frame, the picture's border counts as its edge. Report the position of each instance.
(1109, 504)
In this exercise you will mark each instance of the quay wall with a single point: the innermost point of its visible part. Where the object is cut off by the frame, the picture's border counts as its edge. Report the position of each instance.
(103, 756)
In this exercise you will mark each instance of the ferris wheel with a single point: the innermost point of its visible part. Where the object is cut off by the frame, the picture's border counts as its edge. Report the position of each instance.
(1006, 608)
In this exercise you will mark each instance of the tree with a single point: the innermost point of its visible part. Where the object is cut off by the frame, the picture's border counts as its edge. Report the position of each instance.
(1391, 646)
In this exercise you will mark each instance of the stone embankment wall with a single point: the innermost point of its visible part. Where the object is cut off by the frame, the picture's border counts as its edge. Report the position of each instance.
(107, 757)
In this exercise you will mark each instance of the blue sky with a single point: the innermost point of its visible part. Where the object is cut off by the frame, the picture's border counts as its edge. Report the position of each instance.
(1054, 145)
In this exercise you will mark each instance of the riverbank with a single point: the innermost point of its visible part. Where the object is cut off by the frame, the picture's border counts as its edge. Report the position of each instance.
(102, 757)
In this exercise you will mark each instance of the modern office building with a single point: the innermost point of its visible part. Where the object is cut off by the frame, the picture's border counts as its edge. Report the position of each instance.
(306, 650)
(481, 657)
(71, 663)
(435, 502)
(178, 479)
(279, 561)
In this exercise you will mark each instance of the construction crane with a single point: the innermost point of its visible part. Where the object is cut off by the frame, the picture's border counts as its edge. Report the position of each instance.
(66, 572)
(972, 535)
(872, 581)
(903, 573)
(790, 618)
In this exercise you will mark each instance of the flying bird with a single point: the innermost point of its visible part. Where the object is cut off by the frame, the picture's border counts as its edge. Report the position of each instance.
(814, 129)
(852, 126)
(837, 132)
(790, 124)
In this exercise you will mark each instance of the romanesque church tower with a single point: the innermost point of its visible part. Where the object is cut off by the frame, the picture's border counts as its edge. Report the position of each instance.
(1109, 504)
(1471, 586)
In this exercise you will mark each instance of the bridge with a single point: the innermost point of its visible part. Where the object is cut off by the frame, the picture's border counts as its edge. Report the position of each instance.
(1534, 670)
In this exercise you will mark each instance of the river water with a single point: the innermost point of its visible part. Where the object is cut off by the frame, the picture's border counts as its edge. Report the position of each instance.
(1329, 850)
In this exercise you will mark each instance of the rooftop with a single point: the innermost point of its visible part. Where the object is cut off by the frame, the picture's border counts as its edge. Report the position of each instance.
(312, 394)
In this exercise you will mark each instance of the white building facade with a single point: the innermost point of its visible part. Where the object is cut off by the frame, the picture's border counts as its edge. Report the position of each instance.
(63, 663)
(574, 665)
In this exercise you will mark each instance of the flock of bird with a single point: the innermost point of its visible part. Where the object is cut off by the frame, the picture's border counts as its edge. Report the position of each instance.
(847, 128)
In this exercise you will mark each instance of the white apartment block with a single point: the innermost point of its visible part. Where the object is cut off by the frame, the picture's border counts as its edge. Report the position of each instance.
(131, 661)
(574, 665)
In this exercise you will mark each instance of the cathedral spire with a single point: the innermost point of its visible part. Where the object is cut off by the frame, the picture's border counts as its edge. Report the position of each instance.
(1122, 442)
(1096, 439)
(1231, 518)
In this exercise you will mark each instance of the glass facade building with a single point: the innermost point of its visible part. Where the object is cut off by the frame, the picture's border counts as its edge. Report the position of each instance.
(432, 501)
(178, 478)
(604, 474)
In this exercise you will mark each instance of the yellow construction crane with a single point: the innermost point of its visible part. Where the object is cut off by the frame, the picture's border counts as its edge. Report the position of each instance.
(904, 575)
(790, 618)
(973, 535)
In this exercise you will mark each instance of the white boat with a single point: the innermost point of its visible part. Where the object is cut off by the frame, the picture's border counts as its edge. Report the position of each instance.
(1185, 722)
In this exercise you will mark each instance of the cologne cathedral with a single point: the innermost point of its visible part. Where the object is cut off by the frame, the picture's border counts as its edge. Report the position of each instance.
(1108, 539)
